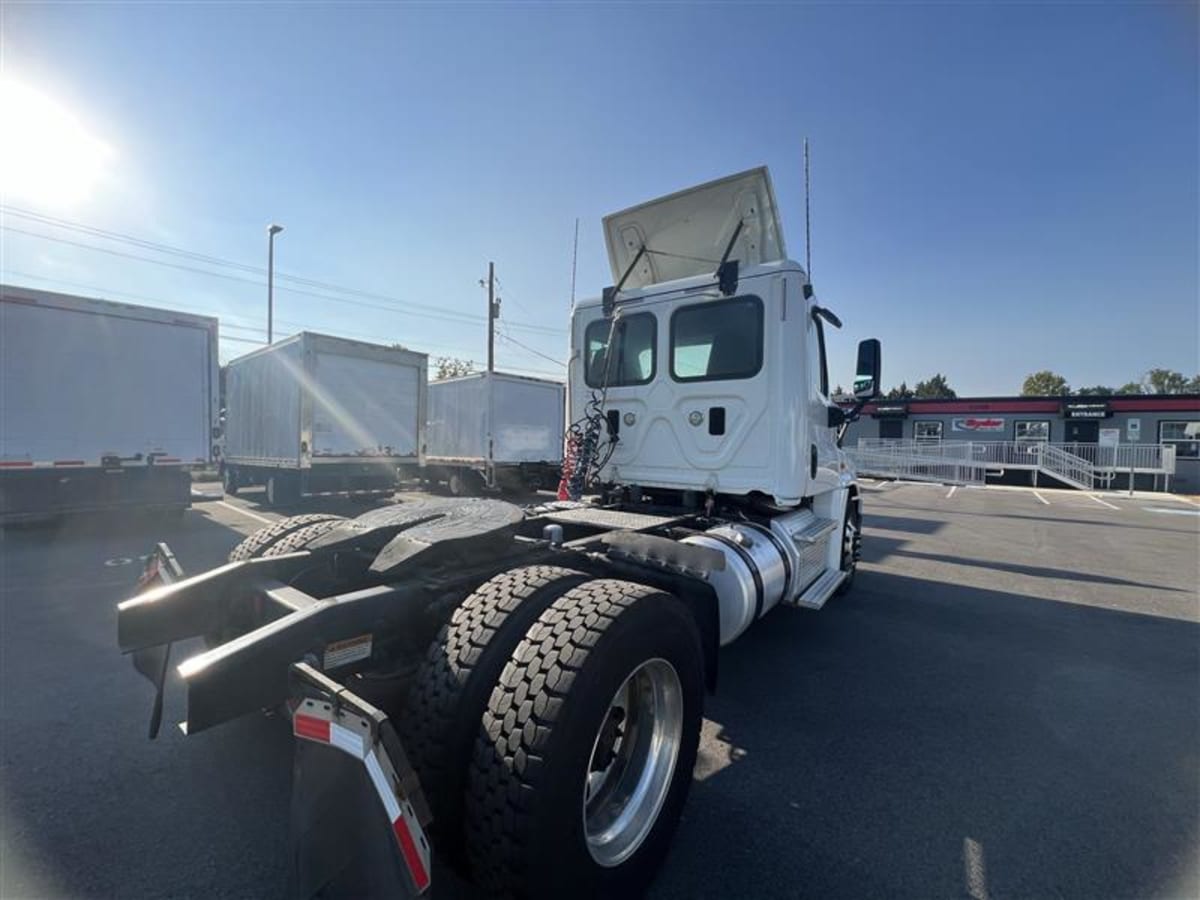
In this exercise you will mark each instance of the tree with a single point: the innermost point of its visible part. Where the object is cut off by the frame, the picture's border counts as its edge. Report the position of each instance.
(1132, 387)
(1098, 390)
(452, 367)
(1045, 384)
(936, 388)
(839, 393)
(900, 393)
(1165, 381)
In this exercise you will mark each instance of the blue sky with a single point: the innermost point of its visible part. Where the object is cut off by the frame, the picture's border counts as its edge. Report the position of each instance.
(998, 188)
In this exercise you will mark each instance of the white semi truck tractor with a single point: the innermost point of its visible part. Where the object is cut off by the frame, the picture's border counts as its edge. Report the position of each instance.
(517, 692)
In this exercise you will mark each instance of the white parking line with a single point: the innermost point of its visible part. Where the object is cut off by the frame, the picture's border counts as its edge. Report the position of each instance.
(246, 512)
(1040, 497)
(1103, 502)
(952, 490)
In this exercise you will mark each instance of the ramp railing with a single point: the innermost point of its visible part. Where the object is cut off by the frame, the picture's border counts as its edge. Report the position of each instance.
(1083, 466)
(921, 464)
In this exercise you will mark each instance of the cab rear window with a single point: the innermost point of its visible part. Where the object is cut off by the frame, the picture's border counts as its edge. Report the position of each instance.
(717, 340)
(634, 356)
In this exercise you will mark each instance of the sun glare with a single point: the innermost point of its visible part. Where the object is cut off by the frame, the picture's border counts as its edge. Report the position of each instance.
(47, 157)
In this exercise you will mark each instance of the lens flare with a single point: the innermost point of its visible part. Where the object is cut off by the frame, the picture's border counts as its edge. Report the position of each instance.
(47, 156)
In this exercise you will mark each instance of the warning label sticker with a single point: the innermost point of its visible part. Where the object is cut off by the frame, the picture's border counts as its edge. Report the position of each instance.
(342, 653)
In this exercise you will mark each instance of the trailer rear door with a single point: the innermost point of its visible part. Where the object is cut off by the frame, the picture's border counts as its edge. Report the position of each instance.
(83, 379)
(364, 407)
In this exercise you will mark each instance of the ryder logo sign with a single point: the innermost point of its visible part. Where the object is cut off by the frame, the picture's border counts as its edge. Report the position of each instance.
(979, 423)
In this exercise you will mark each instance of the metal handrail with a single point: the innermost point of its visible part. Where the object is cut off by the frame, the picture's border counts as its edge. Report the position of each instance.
(1155, 459)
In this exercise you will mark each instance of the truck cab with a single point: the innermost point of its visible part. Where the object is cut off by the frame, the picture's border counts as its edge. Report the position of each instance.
(710, 382)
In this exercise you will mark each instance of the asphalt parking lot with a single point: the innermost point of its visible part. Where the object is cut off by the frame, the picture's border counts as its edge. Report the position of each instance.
(1005, 705)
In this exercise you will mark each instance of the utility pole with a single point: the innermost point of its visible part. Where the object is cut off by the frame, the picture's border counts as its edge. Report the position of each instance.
(489, 471)
(491, 317)
(272, 230)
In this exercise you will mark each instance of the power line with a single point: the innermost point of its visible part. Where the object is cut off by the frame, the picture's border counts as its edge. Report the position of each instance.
(158, 247)
(529, 349)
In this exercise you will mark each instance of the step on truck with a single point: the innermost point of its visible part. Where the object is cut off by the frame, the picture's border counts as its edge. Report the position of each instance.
(517, 693)
(317, 414)
(104, 406)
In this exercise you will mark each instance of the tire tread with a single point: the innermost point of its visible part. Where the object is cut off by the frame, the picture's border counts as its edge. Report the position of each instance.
(457, 677)
(520, 719)
(260, 541)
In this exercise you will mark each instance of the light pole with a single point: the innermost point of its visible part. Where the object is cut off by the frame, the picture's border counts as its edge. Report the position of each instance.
(272, 230)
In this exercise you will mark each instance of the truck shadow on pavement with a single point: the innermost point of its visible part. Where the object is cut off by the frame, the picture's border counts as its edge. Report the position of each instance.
(922, 739)
(91, 808)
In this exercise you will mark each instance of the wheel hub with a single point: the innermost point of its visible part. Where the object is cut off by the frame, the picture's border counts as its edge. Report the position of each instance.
(633, 760)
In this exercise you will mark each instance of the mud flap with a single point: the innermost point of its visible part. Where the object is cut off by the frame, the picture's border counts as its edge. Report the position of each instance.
(357, 813)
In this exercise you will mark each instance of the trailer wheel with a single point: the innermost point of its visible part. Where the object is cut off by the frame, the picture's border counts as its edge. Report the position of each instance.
(258, 543)
(282, 489)
(588, 743)
(464, 483)
(456, 678)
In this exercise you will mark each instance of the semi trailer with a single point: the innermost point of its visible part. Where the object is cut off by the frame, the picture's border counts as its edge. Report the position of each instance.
(317, 414)
(493, 430)
(518, 692)
(103, 405)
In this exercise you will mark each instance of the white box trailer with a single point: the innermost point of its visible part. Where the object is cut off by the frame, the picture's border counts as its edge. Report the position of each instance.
(102, 405)
(320, 414)
(495, 430)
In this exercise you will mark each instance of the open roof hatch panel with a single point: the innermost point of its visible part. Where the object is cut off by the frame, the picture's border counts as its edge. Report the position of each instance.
(686, 233)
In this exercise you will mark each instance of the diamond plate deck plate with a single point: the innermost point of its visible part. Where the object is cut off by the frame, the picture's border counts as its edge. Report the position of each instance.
(607, 518)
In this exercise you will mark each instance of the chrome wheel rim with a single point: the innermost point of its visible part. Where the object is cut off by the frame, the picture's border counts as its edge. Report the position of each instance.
(848, 535)
(633, 760)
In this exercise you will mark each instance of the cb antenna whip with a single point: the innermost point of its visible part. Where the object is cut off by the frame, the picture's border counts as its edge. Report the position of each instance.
(807, 219)
(574, 261)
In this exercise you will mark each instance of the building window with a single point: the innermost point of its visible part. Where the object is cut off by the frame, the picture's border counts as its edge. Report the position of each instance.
(927, 431)
(1030, 432)
(1185, 436)
(634, 359)
(717, 340)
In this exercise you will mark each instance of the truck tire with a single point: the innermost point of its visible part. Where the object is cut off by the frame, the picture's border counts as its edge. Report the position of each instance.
(229, 481)
(851, 545)
(282, 489)
(301, 538)
(261, 541)
(456, 678)
(604, 693)
(464, 483)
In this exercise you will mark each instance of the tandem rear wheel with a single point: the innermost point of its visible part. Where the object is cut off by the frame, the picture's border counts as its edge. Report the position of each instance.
(586, 749)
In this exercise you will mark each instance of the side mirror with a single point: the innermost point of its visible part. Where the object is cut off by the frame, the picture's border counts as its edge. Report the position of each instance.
(866, 378)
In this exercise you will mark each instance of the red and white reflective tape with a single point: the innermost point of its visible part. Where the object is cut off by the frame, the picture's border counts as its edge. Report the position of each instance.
(79, 463)
(313, 722)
